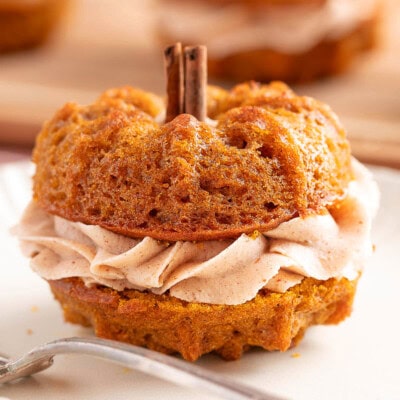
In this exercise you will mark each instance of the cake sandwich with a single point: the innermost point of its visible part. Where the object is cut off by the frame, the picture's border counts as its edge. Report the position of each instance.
(290, 40)
(221, 221)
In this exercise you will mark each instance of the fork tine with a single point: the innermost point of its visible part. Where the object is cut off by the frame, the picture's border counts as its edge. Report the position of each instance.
(4, 359)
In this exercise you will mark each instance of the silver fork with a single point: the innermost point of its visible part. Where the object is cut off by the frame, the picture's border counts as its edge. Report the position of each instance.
(144, 360)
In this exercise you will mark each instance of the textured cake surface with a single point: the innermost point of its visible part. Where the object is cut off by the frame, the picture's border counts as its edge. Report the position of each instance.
(272, 321)
(270, 156)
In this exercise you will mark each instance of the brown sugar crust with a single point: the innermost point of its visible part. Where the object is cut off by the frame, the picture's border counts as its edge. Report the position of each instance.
(272, 155)
(272, 321)
(329, 57)
(26, 24)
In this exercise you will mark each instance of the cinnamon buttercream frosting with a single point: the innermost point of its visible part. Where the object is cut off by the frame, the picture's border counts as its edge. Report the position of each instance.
(333, 244)
(289, 28)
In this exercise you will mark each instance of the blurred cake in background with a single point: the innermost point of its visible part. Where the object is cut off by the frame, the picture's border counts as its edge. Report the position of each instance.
(291, 40)
(27, 23)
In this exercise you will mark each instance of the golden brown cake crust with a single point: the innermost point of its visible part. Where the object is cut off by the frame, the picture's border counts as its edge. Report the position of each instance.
(272, 155)
(272, 321)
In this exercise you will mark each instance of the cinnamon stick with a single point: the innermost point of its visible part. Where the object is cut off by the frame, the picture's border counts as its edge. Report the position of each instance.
(195, 93)
(175, 90)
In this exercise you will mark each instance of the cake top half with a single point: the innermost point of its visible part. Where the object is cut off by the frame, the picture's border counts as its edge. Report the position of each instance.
(263, 156)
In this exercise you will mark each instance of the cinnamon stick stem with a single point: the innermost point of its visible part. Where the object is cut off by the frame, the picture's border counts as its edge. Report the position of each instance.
(195, 93)
(173, 60)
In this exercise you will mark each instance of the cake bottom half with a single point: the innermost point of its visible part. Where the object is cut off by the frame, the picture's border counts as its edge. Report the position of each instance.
(272, 321)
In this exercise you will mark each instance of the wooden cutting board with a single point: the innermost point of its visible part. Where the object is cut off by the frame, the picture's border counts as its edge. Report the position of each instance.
(101, 45)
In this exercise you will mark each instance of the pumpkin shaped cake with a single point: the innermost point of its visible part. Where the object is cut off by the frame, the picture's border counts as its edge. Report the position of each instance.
(192, 236)
(290, 40)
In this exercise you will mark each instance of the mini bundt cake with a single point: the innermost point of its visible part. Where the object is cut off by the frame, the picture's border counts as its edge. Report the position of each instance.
(197, 236)
(290, 40)
(28, 23)
(272, 155)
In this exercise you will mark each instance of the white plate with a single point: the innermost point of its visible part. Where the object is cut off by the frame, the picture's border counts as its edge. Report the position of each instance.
(358, 359)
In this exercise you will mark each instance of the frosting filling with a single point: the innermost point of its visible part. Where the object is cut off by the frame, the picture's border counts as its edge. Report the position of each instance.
(333, 244)
(232, 28)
